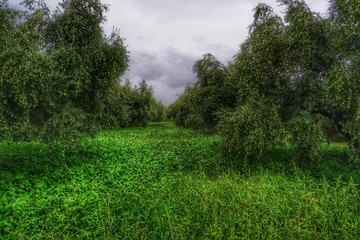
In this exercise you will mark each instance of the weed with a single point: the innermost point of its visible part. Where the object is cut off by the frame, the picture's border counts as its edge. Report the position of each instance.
(164, 182)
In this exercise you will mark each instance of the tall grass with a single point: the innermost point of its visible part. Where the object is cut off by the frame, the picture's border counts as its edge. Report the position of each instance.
(163, 182)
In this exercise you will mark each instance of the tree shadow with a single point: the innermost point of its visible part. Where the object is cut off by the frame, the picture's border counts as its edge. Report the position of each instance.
(335, 162)
(33, 159)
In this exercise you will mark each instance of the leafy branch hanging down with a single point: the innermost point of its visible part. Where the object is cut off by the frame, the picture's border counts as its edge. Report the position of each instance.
(293, 79)
(60, 74)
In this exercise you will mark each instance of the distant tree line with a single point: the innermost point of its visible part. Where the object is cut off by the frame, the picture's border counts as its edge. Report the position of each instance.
(295, 79)
(59, 74)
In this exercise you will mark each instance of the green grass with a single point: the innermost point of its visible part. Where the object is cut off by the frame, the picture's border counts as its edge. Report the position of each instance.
(164, 182)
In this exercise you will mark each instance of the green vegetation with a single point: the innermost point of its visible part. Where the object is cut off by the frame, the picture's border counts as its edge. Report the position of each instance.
(295, 79)
(60, 74)
(165, 182)
(293, 85)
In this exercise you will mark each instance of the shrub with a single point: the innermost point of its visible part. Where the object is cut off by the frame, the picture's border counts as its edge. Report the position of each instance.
(250, 129)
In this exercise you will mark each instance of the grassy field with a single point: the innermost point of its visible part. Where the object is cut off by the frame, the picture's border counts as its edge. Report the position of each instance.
(164, 182)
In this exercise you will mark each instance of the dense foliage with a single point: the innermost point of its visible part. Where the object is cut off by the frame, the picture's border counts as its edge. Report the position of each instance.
(295, 79)
(165, 182)
(199, 106)
(59, 74)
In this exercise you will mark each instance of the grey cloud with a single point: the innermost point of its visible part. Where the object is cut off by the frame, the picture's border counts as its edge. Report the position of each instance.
(181, 9)
(169, 67)
(14, 5)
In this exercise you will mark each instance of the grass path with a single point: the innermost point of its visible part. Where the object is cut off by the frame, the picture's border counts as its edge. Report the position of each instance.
(163, 182)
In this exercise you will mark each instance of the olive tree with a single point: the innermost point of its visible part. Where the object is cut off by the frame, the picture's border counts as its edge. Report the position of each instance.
(343, 86)
(59, 74)
(294, 77)
(201, 104)
(298, 65)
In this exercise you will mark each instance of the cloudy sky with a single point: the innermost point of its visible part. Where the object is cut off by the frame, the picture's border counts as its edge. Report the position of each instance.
(166, 37)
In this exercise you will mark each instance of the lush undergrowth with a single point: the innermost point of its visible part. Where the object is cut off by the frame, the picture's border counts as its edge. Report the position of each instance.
(164, 182)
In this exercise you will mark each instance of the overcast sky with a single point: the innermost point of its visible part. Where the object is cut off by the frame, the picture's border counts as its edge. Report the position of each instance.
(166, 37)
